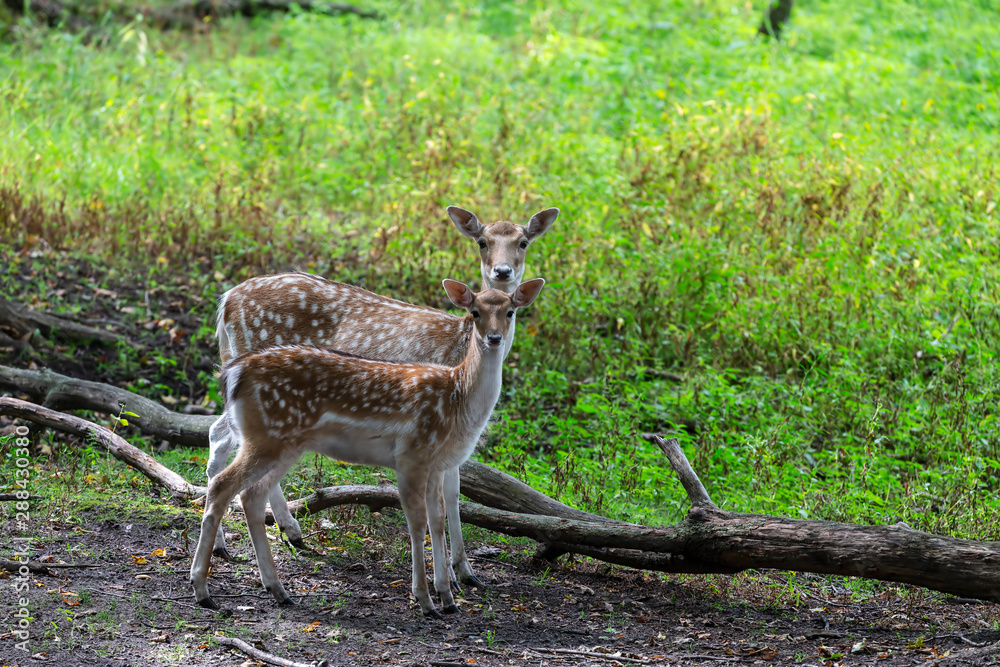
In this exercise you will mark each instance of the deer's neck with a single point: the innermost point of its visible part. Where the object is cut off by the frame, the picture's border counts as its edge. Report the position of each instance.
(480, 377)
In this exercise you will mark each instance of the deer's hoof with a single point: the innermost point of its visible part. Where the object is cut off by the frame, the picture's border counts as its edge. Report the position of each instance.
(208, 603)
(451, 609)
(223, 553)
(432, 613)
(473, 580)
(282, 598)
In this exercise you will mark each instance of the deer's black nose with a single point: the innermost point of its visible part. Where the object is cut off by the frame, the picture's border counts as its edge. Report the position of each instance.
(494, 338)
(502, 272)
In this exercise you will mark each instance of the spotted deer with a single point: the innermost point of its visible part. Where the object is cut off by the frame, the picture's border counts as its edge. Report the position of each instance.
(419, 419)
(303, 309)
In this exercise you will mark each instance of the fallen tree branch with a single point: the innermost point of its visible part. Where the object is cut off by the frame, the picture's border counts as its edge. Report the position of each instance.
(39, 568)
(490, 487)
(263, 656)
(61, 392)
(685, 473)
(710, 540)
(195, 14)
(184, 15)
(21, 321)
(115, 444)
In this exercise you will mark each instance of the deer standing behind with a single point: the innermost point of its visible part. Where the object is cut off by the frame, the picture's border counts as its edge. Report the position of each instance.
(303, 309)
(418, 419)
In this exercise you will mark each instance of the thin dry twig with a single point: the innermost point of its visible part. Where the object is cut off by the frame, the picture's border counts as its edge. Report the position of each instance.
(264, 656)
(592, 654)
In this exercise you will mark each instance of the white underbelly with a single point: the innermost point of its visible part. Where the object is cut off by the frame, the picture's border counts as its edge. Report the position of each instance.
(360, 446)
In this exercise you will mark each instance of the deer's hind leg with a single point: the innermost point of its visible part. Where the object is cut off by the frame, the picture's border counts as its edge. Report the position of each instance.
(221, 490)
(459, 558)
(221, 444)
(254, 500)
(283, 517)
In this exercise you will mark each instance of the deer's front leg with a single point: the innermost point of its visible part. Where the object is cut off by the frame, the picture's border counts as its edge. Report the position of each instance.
(412, 482)
(435, 519)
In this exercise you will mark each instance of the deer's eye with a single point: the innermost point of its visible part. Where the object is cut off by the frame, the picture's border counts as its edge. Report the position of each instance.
(475, 314)
(482, 244)
(510, 314)
(524, 244)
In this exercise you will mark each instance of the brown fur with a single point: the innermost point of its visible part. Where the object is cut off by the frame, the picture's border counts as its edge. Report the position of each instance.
(302, 309)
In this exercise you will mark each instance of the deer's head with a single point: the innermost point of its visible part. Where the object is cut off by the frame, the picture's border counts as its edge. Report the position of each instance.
(502, 245)
(492, 310)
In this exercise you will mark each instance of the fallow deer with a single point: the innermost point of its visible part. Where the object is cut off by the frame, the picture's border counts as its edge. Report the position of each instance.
(298, 308)
(419, 419)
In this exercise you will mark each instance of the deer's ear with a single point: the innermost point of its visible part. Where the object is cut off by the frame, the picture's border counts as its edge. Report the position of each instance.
(466, 222)
(526, 293)
(540, 223)
(459, 293)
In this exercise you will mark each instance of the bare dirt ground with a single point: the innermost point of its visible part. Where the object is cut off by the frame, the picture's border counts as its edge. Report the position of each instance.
(136, 608)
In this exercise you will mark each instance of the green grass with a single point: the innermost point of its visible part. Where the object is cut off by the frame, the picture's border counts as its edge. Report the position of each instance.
(805, 232)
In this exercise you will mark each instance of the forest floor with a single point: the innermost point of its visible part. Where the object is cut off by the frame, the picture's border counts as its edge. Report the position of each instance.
(135, 608)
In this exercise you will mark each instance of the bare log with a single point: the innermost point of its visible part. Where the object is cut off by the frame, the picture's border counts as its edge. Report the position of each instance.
(114, 443)
(685, 473)
(713, 541)
(488, 486)
(61, 392)
(21, 321)
(480, 482)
